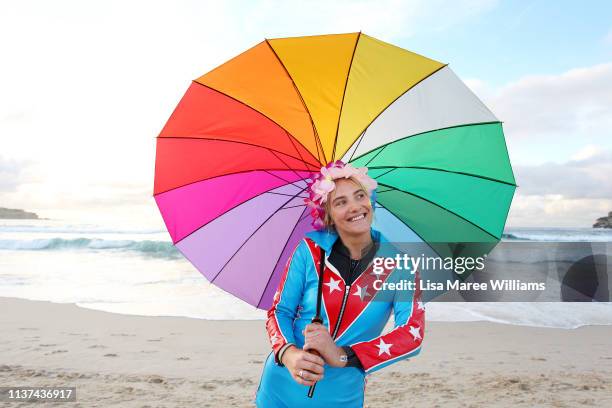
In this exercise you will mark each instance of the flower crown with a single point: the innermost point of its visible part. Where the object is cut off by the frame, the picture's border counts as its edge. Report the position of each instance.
(322, 183)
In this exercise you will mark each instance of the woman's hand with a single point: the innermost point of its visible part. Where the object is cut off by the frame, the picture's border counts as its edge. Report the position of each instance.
(305, 368)
(318, 338)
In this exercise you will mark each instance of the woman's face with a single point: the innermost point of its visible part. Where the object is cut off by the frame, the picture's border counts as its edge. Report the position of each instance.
(350, 208)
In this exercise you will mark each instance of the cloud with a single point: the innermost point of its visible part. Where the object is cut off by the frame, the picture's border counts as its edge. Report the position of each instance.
(555, 211)
(586, 152)
(118, 202)
(13, 173)
(67, 196)
(569, 194)
(586, 177)
(572, 104)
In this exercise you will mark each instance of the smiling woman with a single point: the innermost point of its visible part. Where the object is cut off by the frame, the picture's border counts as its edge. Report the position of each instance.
(349, 211)
(335, 338)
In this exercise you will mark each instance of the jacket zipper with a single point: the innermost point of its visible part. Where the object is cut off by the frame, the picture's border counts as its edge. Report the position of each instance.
(347, 289)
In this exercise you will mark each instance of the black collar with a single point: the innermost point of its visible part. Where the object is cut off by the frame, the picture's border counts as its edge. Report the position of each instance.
(343, 250)
(349, 268)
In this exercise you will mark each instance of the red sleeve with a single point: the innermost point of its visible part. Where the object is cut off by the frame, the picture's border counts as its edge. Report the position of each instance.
(400, 343)
(281, 314)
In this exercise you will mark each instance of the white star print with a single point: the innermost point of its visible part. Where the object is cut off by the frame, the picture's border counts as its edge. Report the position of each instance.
(384, 348)
(333, 285)
(274, 339)
(416, 332)
(361, 292)
(420, 305)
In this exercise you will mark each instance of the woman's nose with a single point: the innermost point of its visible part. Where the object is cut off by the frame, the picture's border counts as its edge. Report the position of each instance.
(353, 206)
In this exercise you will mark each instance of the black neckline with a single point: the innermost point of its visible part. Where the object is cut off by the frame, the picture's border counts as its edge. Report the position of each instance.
(350, 269)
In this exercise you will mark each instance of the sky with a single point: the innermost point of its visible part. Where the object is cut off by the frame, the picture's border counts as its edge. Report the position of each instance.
(87, 86)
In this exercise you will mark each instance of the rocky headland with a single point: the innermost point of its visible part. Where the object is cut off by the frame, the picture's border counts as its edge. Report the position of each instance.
(16, 214)
(604, 222)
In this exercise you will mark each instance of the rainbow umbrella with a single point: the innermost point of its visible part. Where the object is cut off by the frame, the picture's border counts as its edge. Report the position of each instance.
(233, 159)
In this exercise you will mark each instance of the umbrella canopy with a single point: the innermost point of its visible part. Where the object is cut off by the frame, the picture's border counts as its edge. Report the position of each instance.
(232, 160)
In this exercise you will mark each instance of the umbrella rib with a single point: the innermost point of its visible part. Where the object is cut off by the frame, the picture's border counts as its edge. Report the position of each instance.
(303, 161)
(280, 178)
(229, 174)
(376, 155)
(356, 147)
(348, 74)
(425, 133)
(399, 96)
(314, 127)
(293, 206)
(384, 174)
(283, 194)
(445, 171)
(439, 206)
(251, 236)
(254, 110)
(288, 167)
(419, 235)
(236, 206)
(244, 143)
(277, 260)
(304, 217)
(407, 226)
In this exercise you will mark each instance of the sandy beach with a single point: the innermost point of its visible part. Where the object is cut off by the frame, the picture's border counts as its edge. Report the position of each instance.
(133, 361)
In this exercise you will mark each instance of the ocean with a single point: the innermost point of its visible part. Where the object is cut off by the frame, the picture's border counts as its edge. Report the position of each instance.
(139, 272)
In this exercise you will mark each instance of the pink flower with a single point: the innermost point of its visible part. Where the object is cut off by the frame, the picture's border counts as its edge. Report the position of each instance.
(322, 183)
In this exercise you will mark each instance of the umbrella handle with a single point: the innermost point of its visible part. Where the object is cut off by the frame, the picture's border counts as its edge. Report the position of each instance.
(317, 318)
(311, 390)
(312, 387)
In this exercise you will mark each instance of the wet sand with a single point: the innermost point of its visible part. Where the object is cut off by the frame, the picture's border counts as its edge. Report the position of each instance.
(133, 361)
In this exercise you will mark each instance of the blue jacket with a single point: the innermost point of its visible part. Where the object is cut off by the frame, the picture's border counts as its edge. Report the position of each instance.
(352, 318)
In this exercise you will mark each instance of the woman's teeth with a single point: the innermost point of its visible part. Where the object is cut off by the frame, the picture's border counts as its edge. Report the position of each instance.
(357, 218)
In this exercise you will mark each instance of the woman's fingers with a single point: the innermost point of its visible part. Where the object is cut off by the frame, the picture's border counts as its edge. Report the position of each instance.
(312, 345)
(312, 367)
(313, 327)
(316, 343)
(302, 381)
(309, 357)
(312, 336)
(315, 331)
(306, 368)
(308, 376)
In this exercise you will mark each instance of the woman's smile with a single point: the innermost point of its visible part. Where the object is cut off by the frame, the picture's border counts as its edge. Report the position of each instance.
(350, 208)
(358, 217)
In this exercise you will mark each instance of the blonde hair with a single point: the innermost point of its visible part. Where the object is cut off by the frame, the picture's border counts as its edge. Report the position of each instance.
(327, 219)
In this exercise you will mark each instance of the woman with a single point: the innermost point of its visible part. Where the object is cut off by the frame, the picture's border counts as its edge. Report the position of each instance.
(337, 354)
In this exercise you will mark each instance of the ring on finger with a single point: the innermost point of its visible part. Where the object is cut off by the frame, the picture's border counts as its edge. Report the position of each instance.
(301, 374)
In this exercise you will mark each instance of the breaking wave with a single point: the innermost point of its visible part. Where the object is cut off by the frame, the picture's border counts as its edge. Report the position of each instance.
(158, 249)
